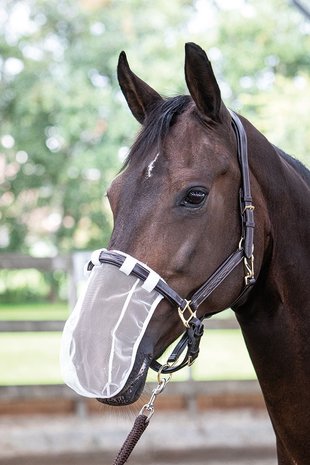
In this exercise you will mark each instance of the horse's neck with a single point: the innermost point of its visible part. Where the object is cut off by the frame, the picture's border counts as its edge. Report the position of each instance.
(276, 319)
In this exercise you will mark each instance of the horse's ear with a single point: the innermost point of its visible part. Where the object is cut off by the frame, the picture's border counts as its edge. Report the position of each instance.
(202, 83)
(139, 95)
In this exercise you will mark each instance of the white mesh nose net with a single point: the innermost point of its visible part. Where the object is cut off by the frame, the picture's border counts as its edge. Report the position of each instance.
(102, 335)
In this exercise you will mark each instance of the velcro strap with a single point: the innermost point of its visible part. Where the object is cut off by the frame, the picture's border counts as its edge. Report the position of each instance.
(151, 281)
(95, 256)
(128, 265)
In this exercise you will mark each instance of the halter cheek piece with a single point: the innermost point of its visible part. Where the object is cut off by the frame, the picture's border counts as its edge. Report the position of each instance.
(187, 309)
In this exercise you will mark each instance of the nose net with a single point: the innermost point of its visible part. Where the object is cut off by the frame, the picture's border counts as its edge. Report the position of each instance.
(102, 335)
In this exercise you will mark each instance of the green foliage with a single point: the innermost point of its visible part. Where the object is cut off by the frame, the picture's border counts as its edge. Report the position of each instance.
(65, 127)
(18, 286)
(267, 62)
(25, 286)
(61, 105)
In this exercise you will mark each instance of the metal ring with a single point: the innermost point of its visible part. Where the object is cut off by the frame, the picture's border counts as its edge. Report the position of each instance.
(162, 380)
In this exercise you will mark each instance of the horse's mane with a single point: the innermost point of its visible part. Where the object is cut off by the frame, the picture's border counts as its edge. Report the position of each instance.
(296, 164)
(156, 126)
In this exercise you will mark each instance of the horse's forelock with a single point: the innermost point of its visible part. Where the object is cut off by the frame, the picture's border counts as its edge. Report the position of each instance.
(157, 124)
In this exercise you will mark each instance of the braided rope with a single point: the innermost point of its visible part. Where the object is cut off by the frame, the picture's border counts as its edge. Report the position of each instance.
(139, 426)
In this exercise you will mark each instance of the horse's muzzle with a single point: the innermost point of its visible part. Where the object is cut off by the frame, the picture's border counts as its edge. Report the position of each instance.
(134, 386)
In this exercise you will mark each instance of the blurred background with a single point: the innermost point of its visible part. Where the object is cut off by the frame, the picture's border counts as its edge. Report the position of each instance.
(65, 132)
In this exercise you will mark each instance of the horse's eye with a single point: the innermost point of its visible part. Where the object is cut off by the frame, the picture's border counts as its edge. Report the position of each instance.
(194, 198)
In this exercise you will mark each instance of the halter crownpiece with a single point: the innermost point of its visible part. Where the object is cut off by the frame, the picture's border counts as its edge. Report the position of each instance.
(111, 317)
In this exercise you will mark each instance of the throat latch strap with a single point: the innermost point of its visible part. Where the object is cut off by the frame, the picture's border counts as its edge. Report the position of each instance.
(246, 201)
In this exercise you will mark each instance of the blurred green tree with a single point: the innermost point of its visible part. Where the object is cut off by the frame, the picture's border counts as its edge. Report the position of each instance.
(267, 61)
(64, 126)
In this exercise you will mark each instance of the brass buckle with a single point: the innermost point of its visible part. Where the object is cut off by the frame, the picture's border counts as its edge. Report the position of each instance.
(248, 207)
(192, 314)
(249, 269)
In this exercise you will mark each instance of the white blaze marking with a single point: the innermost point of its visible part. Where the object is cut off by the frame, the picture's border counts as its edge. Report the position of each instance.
(151, 167)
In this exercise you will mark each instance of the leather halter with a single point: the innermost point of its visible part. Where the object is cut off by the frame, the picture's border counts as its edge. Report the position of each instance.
(187, 308)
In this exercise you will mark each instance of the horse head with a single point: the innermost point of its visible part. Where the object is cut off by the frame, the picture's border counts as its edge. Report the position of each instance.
(176, 202)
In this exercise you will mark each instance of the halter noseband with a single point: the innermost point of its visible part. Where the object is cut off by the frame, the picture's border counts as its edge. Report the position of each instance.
(187, 309)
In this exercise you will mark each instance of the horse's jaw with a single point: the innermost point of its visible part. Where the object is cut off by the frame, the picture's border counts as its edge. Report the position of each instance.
(134, 386)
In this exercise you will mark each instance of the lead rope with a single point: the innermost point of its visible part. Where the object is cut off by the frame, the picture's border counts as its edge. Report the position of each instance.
(140, 425)
(142, 420)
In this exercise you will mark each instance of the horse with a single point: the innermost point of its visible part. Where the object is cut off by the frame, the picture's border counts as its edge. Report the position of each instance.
(176, 207)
